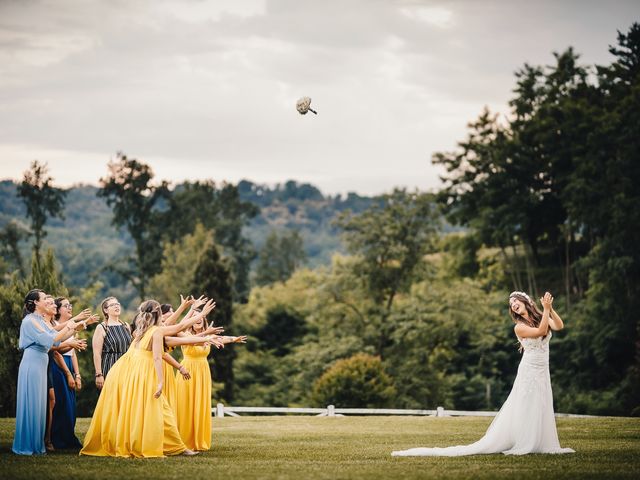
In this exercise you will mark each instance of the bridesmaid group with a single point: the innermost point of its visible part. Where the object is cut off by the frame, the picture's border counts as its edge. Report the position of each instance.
(143, 410)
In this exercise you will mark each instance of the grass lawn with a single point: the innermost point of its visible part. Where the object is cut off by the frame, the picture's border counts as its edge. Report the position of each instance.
(349, 447)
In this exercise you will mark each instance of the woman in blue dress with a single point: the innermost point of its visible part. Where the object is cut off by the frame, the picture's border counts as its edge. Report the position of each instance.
(36, 338)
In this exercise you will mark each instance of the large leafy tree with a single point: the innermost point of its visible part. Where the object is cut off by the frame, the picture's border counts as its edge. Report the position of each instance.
(220, 210)
(44, 275)
(212, 278)
(42, 200)
(129, 190)
(390, 240)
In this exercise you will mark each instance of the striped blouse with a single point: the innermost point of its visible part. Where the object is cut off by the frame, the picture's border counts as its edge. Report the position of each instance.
(116, 343)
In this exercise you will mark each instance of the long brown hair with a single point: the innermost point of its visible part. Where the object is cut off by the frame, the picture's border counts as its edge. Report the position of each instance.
(148, 315)
(535, 315)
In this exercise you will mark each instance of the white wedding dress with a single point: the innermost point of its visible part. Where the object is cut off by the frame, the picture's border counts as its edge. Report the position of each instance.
(525, 423)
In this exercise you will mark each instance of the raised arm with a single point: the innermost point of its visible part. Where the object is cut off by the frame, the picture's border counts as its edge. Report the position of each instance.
(525, 331)
(192, 340)
(230, 339)
(70, 344)
(173, 330)
(555, 322)
(184, 303)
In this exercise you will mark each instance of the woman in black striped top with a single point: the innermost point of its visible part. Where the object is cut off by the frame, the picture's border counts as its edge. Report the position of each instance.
(111, 339)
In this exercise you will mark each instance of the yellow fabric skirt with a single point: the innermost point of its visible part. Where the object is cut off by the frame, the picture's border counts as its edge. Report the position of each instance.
(128, 421)
(169, 389)
(194, 399)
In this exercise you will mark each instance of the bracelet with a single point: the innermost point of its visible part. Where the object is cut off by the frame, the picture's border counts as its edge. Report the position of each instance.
(77, 375)
(99, 375)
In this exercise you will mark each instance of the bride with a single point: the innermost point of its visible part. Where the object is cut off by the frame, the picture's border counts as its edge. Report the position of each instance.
(525, 423)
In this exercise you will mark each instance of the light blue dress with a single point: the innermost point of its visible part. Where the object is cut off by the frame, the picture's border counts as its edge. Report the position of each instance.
(31, 402)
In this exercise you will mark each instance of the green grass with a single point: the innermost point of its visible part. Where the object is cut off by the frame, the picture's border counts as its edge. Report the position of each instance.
(349, 447)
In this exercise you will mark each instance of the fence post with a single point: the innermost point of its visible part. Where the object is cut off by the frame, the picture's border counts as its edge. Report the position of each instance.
(440, 412)
(331, 411)
(220, 410)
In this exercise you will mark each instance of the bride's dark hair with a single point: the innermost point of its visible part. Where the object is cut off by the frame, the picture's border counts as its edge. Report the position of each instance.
(535, 315)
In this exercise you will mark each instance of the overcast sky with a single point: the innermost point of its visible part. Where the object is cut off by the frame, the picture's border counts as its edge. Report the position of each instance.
(207, 89)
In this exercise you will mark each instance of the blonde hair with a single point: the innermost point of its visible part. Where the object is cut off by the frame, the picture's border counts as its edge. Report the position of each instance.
(148, 315)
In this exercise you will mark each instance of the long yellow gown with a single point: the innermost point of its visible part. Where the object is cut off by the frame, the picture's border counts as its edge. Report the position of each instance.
(128, 421)
(194, 399)
(170, 388)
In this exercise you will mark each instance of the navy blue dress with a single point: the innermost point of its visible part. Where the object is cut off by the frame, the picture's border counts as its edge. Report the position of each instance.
(64, 412)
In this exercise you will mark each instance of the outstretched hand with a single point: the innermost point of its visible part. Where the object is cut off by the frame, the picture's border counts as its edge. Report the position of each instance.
(185, 302)
(86, 313)
(215, 341)
(214, 330)
(208, 307)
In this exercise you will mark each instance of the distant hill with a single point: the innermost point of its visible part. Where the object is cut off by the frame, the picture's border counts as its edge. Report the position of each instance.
(85, 241)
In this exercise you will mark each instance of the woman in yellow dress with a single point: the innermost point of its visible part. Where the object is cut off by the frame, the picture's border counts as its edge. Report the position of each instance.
(171, 364)
(194, 395)
(132, 417)
(168, 318)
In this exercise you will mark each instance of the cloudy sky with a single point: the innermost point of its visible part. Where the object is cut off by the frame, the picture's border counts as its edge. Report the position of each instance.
(207, 89)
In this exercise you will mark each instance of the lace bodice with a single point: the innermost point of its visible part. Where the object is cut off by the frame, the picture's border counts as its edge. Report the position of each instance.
(540, 344)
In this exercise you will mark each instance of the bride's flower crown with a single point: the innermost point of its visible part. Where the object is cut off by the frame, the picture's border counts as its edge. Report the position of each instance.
(522, 294)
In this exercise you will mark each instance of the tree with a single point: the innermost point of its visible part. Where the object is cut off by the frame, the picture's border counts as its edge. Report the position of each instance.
(179, 262)
(42, 200)
(10, 237)
(219, 210)
(355, 382)
(283, 329)
(212, 278)
(128, 189)
(280, 257)
(44, 275)
(390, 240)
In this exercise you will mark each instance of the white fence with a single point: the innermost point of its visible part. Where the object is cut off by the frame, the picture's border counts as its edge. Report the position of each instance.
(221, 410)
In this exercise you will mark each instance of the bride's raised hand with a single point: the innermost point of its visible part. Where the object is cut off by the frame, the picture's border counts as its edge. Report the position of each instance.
(547, 301)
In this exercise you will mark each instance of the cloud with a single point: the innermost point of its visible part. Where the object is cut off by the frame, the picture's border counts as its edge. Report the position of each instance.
(211, 85)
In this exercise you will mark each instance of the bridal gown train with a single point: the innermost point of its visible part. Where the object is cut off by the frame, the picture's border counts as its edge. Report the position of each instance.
(525, 423)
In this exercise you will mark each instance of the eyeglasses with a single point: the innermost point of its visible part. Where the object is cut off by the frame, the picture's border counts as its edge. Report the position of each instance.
(68, 305)
(114, 304)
